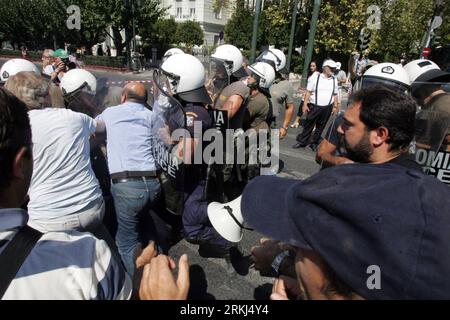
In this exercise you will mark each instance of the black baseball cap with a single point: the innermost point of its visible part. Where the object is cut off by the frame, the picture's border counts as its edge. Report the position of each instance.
(359, 215)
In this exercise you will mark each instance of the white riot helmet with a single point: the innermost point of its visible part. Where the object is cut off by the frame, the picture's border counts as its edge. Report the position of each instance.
(186, 77)
(276, 56)
(171, 52)
(265, 74)
(76, 80)
(232, 58)
(389, 74)
(423, 71)
(14, 66)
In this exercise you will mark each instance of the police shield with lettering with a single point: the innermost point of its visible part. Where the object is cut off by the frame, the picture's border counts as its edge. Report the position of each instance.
(169, 124)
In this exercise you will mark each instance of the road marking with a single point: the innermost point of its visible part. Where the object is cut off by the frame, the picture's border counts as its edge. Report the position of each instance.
(298, 155)
(294, 175)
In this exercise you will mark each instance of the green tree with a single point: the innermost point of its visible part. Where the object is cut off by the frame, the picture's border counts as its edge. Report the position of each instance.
(120, 16)
(189, 33)
(218, 5)
(444, 30)
(275, 24)
(40, 24)
(238, 30)
(403, 25)
(165, 31)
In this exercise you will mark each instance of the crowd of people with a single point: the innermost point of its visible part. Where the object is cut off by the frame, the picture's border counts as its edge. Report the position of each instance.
(70, 149)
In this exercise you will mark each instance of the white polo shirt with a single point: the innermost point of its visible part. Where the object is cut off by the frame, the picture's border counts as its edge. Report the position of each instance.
(63, 181)
(327, 89)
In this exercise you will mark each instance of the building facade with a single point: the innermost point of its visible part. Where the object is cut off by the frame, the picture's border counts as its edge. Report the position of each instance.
(201, 11)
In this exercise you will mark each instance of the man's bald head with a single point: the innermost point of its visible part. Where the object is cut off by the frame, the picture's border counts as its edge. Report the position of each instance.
(135, 92)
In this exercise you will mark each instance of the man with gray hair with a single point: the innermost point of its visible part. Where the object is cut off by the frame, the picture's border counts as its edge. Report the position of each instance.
(48, 62)
(64, 192)
(321, 100)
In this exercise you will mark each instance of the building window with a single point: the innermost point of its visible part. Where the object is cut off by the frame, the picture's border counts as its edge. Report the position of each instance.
(179, 13)
(218, 15)
(192, 12)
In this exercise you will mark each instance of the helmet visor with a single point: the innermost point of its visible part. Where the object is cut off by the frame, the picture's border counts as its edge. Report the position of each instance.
(368, 82)
(264, 57)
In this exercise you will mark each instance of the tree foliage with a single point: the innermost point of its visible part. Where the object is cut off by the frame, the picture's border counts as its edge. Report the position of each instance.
(190, 33)
(403, 25)
(238, 30)
(40, 24)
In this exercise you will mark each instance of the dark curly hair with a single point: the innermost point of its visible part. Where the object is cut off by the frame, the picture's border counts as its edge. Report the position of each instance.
(383, 107)
(15, 133)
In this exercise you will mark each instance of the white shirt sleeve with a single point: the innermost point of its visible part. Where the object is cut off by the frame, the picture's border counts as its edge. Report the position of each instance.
(336, 89)
(48, 70)
(311, 86)
(89, 124)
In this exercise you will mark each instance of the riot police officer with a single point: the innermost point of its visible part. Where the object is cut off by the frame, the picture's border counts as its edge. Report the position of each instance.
(180, 106)
(14, 66)
(229, 91)
(257, 115)
(281, 91)
(427, 82)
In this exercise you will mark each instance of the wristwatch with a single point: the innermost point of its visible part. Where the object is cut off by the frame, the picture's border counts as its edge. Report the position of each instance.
(276, 263)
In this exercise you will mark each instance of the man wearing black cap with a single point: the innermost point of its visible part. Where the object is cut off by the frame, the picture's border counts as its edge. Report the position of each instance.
(361, 230)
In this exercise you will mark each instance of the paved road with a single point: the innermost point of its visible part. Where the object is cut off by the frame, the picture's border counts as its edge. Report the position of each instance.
(216, 278)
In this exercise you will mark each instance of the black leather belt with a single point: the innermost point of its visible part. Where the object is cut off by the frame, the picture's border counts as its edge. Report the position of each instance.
(132, 176)
(114, 181)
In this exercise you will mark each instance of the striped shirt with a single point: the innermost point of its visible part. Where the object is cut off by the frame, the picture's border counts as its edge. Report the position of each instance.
(64, 266)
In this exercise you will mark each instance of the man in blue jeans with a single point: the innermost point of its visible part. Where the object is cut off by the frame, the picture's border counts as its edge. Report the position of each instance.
(135, 187)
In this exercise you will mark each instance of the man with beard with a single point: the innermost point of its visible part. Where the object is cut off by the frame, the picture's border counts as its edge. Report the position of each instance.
(331, 150)
(377, 128)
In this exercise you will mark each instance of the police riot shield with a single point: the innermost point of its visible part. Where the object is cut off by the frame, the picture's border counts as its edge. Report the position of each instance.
(108, 94)
(169, 141)
(429, 146)
(219, 78)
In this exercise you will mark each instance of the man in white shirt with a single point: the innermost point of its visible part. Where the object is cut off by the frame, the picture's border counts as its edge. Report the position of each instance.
(64, 192)
(48, 62)
(321, 100)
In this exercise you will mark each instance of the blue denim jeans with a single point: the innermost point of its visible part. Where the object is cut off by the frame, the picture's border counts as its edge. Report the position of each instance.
(132, 201)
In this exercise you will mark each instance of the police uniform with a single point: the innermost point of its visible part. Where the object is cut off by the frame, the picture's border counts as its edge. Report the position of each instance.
(236, 88)
(195, 212)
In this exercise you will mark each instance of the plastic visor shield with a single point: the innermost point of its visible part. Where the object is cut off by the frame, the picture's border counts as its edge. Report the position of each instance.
(169, 124)
(368, 82)
(430, 148)
(264, 57)
(219, 77)
(81, 100)
(108, 94)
